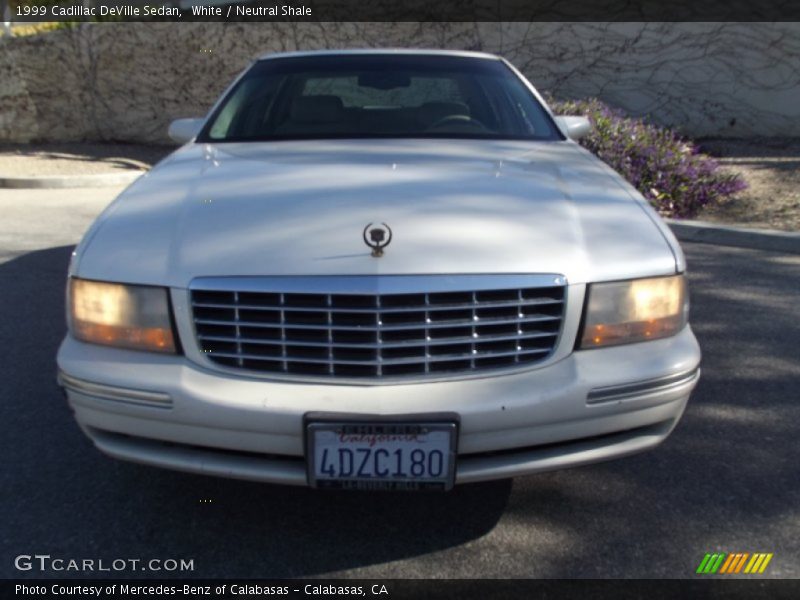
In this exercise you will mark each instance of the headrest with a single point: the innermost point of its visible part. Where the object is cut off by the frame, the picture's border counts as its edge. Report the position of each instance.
(430, 112)
(317, 109)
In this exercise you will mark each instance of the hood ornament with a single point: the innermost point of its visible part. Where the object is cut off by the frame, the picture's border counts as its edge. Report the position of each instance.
(379, 238)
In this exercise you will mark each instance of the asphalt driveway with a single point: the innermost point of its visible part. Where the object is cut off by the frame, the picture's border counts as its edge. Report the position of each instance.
(726, 480)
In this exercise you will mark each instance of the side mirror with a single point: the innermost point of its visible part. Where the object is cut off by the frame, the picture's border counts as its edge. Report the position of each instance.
(574, 127)
(184, 130)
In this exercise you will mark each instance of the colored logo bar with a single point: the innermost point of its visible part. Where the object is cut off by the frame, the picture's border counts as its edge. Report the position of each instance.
(735, 562)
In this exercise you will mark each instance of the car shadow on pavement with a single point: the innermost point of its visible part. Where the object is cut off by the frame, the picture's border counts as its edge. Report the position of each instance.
(726, 479)
(70, 501)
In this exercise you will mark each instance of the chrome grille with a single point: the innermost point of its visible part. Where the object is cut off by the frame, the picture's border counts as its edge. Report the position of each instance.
(377, 335)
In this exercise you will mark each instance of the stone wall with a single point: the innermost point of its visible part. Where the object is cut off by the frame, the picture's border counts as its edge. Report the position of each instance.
(127, 81)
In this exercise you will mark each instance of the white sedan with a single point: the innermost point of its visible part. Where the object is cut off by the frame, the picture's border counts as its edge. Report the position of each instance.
(378, 270)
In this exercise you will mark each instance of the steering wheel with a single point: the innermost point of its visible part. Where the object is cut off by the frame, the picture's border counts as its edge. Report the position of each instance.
(458, 120)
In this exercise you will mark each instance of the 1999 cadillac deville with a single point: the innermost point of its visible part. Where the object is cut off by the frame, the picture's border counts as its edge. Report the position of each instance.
(378, 269)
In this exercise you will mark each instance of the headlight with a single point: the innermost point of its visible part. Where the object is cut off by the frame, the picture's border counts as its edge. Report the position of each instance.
(623, 312)
(130, 316)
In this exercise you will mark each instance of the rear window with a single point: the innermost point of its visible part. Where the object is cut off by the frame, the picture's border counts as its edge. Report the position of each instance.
(367, 96)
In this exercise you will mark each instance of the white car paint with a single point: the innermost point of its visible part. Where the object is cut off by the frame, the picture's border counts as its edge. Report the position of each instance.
(297, 208)
(455, 206)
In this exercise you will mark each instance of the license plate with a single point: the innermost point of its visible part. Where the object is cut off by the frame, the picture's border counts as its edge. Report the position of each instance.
(382, 455)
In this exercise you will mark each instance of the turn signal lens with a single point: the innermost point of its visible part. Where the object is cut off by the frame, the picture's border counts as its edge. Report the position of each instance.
(129, 316)
(624, 312)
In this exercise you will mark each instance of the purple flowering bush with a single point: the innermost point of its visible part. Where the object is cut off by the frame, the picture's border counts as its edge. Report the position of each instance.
(668, 170)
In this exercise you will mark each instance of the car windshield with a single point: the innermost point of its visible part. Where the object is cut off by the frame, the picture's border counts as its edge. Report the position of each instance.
(379, 96)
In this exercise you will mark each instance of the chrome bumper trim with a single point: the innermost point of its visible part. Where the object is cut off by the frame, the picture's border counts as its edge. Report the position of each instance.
(115, 394)
(640, 388)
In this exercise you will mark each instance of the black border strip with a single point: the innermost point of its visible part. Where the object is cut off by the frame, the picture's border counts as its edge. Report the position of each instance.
(421, 10)
(706, 587)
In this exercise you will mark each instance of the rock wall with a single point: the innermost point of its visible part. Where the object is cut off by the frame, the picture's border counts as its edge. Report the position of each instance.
(125, 82)
(18, 114)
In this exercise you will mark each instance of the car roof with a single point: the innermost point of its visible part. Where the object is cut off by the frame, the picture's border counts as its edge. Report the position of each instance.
(384, 51)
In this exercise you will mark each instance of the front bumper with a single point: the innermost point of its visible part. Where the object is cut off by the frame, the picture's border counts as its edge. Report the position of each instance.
(167, 411)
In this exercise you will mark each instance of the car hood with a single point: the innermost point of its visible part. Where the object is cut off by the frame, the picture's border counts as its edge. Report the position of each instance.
(299, 208)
